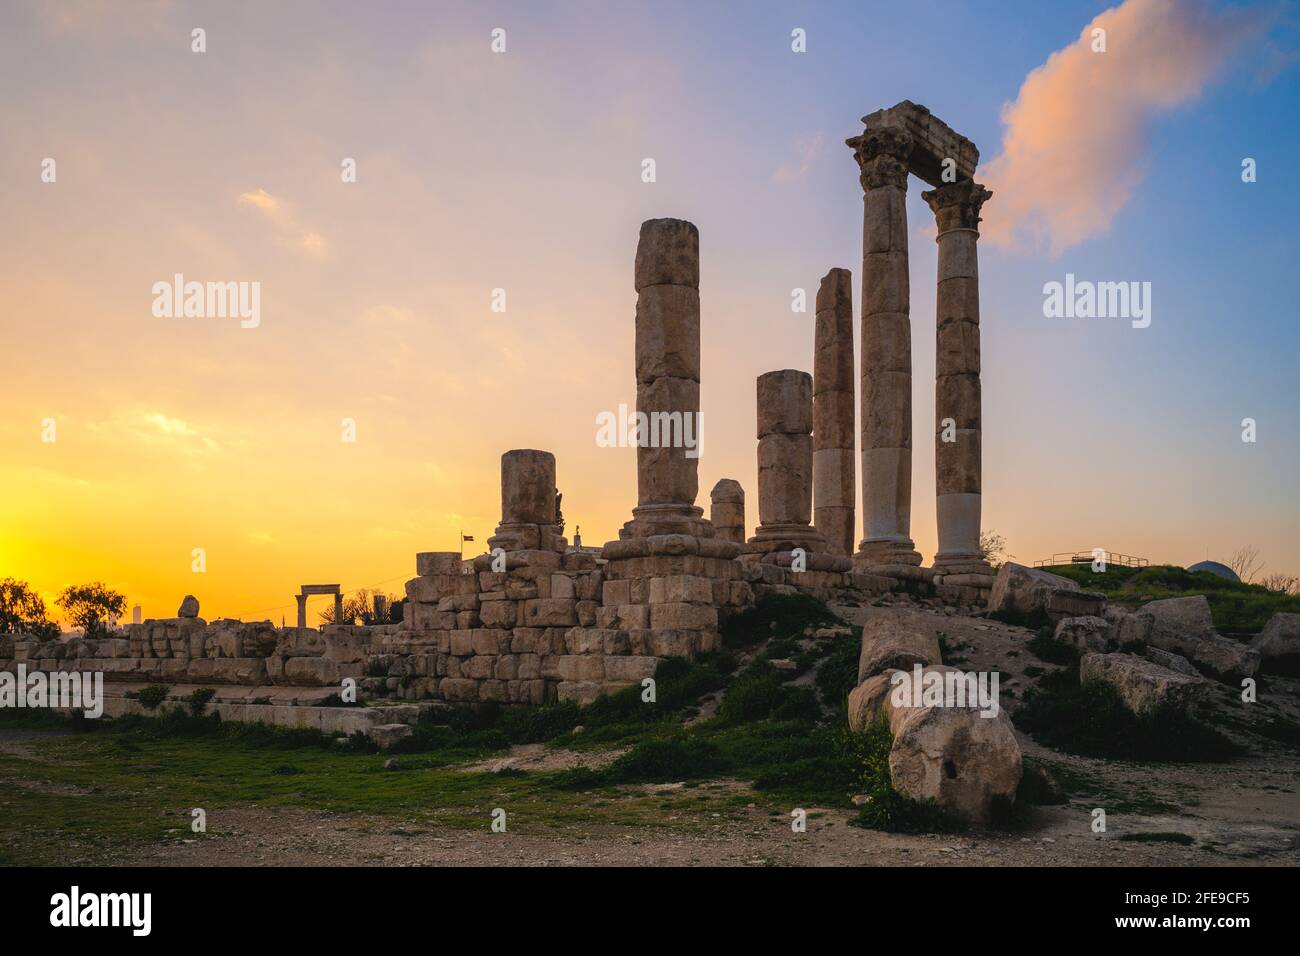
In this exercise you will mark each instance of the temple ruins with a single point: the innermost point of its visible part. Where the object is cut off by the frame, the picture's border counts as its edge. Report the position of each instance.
(534, 620)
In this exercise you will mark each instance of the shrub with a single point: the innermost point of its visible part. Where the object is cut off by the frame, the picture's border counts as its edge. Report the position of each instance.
(659, 761)
(198, 701)
(1049, 650)
(839, 672)
(1091, 720)
(775, 615)
(886, 809)
(153, 695)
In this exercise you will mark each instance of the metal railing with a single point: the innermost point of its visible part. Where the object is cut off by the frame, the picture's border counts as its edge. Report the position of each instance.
(1088, 555)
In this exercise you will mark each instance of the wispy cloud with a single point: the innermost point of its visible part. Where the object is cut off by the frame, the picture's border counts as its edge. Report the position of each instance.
(292, 232)
(806, 150)
(1076, 135)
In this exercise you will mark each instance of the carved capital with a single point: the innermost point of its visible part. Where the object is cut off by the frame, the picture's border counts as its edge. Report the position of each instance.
(957, 205)
(882, 156)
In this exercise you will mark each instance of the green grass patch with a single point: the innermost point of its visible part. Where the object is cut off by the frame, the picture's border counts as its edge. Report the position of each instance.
(1091, 720)
(886, 809)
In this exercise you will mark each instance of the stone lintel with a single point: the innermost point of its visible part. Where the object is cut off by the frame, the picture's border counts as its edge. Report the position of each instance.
(933, 141)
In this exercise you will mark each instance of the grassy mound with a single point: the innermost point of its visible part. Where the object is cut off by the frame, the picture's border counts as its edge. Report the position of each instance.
(1237, 608)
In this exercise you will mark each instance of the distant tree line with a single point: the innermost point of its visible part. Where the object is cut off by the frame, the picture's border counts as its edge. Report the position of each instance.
(88, 606)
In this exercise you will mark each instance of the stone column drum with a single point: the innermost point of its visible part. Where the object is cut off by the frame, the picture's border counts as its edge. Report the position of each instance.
(728, 510)
(957, 457)
(886, 396)
(833, 424)
(785, 464)
(668, 380)
(527, 502)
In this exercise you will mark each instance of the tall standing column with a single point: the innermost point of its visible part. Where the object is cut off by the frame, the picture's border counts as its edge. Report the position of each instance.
(886, 395)
(668, 380)
(957, 456)
(833, 444)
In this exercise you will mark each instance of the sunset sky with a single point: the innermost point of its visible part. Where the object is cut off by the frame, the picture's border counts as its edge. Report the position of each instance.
(522, 171)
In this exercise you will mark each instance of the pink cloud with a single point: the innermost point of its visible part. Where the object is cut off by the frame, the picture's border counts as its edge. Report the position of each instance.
(1075, 141)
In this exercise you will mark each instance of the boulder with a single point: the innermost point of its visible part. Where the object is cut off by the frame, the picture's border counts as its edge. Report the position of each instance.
(1143, 684)
(1088, 633)
(189, 607)
(1021, 590)
(1278, 645)
(952, 755)
(896, 641)
(1185, 626)
(1175, 662)
(1178, 624)
(1226, 659)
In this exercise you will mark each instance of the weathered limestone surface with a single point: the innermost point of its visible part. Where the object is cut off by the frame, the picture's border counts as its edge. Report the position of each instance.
(886, 367)
(833, 413)
(528, 503)
(956, 208)
(1143, 684)
(667, 280)
(1021, 590)
(785, 459)
(727, 510)
(896, 642)
(1185, 626)
(1278, 644)
(950, 754)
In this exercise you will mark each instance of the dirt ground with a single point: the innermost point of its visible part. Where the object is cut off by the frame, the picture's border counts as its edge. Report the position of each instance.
(1243, 812)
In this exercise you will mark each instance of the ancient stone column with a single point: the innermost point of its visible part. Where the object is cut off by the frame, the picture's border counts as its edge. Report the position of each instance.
(833, 445)
(668, 380)
(957, 383)
(302, 609)
(728, 510)
(785, 454)
(338, 607)
(886, 396)
(527, 502)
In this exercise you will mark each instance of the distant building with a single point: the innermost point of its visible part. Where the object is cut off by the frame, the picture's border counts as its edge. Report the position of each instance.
(1215, 568)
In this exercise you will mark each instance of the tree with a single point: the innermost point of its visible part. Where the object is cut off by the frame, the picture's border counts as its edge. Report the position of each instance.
(23, 612)
(994, 548)
(358, 606)
(1280, 583)
(1245, 562)
(88, 606)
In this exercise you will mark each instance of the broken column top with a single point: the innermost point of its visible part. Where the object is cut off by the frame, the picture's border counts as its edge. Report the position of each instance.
(728, 489)
(933, 141)
(668, 253)
(528, 486)
(836, 289)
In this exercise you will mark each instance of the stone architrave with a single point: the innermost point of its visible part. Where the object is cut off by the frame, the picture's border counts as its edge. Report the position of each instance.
(833, 413)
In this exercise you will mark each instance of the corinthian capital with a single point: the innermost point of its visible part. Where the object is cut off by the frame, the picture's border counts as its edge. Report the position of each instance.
(882, 156)
(957, 205)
